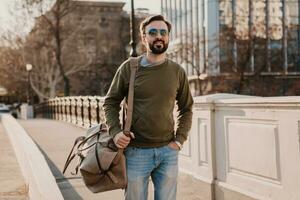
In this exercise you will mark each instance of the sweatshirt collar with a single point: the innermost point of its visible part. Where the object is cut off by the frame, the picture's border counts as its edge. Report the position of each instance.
(144, 62)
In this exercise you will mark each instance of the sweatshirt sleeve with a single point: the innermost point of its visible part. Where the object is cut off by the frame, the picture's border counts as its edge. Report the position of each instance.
(112, 102)
(185, 105)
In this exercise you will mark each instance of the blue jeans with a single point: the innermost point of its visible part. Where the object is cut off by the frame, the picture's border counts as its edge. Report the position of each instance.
(159, 163)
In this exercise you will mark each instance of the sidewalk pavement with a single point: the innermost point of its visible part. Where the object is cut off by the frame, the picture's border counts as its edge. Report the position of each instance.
(55, 139)
(12, 185)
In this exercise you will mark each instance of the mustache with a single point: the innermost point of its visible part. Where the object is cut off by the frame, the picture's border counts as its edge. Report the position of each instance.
(158, 40)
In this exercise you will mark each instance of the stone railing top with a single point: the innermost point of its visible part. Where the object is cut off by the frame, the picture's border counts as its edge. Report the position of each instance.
(212, 98)
(77, 97)
(263, 100)
(250, 101)
(228, 99)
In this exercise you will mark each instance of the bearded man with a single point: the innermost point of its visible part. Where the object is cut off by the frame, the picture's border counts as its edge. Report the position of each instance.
(152, 150)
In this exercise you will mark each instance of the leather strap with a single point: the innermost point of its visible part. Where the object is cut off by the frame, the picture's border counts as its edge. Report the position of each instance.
(134, 62)
(71, 154)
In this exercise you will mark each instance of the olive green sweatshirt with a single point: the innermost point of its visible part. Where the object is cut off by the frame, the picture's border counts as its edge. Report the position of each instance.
(156, 89)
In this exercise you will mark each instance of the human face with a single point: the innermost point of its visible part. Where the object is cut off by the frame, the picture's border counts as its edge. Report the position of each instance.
(156, 37)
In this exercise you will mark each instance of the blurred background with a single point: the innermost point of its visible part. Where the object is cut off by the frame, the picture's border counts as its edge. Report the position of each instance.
(70, 48)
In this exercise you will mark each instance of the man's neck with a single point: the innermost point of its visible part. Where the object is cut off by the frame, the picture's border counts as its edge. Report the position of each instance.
(155, 58)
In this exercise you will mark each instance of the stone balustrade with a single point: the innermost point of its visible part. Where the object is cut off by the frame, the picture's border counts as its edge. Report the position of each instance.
(239, 147)
(83, 111)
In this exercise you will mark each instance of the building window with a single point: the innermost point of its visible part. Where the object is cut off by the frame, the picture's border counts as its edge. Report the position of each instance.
(255, 36)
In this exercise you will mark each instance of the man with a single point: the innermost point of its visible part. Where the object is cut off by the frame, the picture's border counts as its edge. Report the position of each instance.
(152, 150)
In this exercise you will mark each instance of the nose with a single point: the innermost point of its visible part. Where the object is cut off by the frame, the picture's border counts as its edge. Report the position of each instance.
(158, 35)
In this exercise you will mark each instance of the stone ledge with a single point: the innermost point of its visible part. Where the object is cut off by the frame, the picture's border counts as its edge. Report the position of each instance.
(36, 172)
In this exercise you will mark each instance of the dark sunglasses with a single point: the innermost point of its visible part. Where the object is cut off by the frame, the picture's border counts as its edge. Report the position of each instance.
(153, 32)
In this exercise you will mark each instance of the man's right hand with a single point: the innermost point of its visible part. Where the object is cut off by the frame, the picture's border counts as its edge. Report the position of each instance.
(121, 140)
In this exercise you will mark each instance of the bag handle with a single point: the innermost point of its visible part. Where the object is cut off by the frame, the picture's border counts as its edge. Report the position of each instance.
(79, 142)
(72, 155)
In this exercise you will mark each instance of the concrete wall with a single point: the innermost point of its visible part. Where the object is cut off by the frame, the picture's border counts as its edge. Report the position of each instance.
(244, 147)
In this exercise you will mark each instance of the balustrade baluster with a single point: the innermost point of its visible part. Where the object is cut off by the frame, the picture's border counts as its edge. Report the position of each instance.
(73, 110)
(79, 109)
(86, 108)
(94, 110)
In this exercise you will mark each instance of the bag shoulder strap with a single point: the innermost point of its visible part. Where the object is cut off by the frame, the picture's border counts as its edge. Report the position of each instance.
(134, 63)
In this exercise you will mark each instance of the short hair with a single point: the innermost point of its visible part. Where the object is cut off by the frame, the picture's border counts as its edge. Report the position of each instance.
(150, 19)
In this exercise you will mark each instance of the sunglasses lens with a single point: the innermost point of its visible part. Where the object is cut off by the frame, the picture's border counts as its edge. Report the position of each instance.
(163, 32)
(153, 32)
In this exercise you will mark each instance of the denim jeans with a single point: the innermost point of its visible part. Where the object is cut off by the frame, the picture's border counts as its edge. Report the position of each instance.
(161, 164)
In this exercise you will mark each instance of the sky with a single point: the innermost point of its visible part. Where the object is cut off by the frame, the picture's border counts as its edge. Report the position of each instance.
(152, 5)
(4, 14)
(6, 19)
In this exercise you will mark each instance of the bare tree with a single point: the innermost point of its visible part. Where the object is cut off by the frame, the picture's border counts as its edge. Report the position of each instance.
(12, 70)
(190, 57)
(64, 43)
(47, 47)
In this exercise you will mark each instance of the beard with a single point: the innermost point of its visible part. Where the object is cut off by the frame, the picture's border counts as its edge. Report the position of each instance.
(158, 47)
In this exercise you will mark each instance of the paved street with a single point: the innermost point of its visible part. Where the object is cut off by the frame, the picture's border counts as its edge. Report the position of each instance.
(55, 139)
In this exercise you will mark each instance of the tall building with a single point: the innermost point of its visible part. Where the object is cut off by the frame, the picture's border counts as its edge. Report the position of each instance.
(238, 46)
(94, 38)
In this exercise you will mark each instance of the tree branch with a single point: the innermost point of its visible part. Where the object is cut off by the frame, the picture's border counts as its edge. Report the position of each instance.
(37, 91)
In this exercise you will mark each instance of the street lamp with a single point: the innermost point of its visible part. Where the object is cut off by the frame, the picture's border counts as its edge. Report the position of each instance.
(132, 32)
(28, 69)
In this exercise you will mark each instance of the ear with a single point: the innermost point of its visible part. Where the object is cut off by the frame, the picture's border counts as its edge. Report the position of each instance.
(143, 37)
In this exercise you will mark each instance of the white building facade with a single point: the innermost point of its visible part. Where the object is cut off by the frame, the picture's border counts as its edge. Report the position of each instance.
(221, 37)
